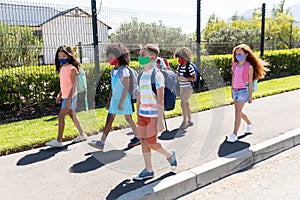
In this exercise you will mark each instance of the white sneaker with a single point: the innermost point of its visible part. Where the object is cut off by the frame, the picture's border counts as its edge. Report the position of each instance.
(249, 127)
(232, 138)
(55, 143)
(80, 138)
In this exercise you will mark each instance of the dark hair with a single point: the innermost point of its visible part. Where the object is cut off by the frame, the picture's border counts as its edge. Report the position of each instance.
(120, 52)
(185, 53)
(72, 59)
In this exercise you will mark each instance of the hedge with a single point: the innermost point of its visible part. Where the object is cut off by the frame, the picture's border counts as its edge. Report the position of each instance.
(37, 88)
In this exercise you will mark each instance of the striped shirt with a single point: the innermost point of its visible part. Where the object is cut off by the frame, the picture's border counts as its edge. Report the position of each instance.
(148, 106)
(182, 72)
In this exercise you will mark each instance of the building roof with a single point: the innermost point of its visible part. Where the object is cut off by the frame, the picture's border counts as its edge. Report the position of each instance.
(33, 16)
(23, 15)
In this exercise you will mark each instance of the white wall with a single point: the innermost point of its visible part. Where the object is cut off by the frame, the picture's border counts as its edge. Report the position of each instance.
(70, 30)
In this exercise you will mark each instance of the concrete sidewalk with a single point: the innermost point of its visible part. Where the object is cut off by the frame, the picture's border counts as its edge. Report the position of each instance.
(78, 171)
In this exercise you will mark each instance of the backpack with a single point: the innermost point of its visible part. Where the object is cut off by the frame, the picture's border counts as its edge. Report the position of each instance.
(170, 87)
(162, 63)
(195, 83)
(133, 81)
(245, 75)
(82, 85)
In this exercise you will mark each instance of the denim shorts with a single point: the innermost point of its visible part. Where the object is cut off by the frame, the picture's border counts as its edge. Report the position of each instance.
(241, 95)
(73, 103)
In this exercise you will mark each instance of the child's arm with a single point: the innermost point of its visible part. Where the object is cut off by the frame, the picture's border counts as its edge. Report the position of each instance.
(108, 99)
(160, 109)
(138, 103)
(125, 91)
(58, 97)
(250, 86)
(73, 79)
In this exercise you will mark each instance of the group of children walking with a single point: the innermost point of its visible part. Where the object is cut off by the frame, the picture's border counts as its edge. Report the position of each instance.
(150, 105)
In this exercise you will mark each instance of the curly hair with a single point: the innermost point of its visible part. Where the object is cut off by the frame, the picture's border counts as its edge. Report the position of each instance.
(120, 52)
(72, 59)
(185, 53)
(253, 59)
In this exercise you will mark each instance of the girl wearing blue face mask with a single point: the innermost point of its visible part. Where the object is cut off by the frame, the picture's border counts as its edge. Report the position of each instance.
(245, 66)
(68, 68)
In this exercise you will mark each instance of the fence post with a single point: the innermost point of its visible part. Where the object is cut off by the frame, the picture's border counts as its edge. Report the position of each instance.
(262, 36)
(80, 52)
(96, 52)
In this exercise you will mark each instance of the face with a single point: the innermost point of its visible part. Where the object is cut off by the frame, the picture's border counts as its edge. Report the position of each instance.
(62, 55)
(112, 59)
(240, 52)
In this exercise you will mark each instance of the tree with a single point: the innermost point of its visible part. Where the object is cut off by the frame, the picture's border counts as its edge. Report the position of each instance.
(18, 46)
(281, 31)
(134, 33)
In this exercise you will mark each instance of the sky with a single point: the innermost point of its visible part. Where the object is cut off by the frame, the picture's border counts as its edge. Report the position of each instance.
(174, 13)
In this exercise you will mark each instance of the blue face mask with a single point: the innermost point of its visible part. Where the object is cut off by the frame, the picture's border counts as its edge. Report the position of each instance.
(63, 61)
(240, 57)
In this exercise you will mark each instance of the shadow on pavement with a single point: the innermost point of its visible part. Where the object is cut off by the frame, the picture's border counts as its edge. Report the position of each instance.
(42, 155)
(130, 185)
(227, 148)
(169, 135)
(97, 160)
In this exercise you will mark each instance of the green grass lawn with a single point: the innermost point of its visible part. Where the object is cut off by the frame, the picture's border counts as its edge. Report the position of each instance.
(28, 134)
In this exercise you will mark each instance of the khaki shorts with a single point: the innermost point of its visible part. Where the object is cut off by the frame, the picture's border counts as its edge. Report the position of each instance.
(185, 94)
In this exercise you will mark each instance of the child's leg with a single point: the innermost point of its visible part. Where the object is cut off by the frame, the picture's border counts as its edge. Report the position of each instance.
(245, 118)
(238, 115)
(132, 124)
(146, 155)
(189, 116)
(184, 110)
(61, 123)
(109, 120)
(76, 121)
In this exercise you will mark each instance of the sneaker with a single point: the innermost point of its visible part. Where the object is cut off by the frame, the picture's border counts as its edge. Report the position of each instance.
(172, 160)
(145, 174)
(190, 123)
(183, 125)
(54, 143)
(249, 127)
(232, 138)
(97, 144)
(80, 138)
(134, 142)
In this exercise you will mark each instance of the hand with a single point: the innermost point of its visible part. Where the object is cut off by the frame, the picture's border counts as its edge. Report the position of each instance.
(160, 125)
(120, 106)
(250, 100)
(58, 100)
(68, 103)
(107, 105)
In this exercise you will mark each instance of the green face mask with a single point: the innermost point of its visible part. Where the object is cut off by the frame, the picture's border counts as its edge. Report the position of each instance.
(143, 60)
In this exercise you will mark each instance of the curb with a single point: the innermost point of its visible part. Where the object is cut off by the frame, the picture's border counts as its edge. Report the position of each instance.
(187, 181)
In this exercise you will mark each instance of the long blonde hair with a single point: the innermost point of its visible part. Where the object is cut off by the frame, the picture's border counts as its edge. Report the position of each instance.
(253, 59)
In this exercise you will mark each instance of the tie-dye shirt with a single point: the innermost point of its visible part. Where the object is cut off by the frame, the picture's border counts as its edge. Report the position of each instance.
(148, 106)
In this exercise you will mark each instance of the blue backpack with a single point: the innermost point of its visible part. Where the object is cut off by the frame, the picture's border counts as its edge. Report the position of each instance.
(170, 87)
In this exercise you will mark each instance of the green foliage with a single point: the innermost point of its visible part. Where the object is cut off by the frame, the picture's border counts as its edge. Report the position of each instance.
(19, 46)
(134, 33)
(280, 32)
(37, 87)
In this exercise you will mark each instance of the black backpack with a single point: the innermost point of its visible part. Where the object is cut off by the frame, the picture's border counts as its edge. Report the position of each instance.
(196, 83)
